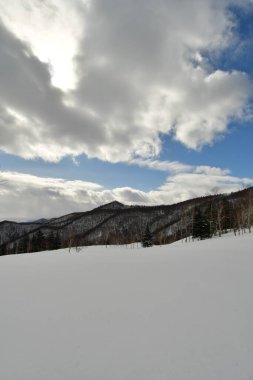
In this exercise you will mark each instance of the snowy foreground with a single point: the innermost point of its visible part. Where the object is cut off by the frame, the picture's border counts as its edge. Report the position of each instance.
(177, 312)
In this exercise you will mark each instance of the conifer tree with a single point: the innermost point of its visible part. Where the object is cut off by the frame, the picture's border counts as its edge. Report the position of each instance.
(3, 250)
(38, 242)
(201, 224)
(22, 246)
(196, 227)
(57, 241)
(41, 241)
(147, 240)
(51, 241)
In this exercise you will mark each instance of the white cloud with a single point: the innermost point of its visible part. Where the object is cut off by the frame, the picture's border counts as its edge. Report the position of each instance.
(208, 108)
(165, 166)
(185, 186)
(28, 197)
(211, 170)
(133, 81)
(25, 196)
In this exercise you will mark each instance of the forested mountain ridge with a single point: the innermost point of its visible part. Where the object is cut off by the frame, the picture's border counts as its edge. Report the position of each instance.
(115, 223)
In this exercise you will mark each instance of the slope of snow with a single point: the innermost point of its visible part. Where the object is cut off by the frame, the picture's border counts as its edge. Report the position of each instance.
(177, 312)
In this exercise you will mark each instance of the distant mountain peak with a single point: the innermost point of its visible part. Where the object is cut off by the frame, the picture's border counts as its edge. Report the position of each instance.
(39, 221)
(113, 205)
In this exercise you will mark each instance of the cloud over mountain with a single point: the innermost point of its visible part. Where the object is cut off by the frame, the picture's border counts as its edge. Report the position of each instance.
(36, 197)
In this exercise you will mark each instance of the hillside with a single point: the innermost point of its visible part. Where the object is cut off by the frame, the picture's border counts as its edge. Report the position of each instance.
(180, 311)
(115, 223)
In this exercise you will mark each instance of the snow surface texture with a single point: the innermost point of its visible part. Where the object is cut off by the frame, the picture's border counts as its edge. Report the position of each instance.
(177, 312)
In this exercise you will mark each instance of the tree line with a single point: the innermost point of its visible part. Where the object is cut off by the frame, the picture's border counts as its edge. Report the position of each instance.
(35, 242)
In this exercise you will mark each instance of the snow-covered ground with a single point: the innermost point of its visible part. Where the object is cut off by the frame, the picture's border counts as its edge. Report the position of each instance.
(177, 312)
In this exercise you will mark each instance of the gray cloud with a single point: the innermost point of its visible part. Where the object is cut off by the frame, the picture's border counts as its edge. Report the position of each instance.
(33, 113)
(141, 72)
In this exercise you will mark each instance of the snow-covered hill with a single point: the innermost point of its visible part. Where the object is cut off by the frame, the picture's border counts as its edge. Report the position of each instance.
(178, 312)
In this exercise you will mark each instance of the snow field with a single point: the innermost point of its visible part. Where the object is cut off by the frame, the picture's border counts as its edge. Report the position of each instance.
(176, 312)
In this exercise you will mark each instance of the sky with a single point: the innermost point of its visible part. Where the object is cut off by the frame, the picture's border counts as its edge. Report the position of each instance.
(144, 102)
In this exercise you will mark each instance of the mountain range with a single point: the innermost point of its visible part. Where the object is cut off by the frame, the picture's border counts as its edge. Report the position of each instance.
(116, 223)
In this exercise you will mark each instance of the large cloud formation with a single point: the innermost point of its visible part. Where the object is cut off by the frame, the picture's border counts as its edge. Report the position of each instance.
(36, 197)
(140, 70)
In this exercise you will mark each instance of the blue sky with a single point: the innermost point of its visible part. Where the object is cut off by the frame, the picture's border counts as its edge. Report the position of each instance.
(96, 105)
(234, 151)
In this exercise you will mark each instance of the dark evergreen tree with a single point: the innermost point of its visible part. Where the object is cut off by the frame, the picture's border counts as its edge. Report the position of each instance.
(14, 249)
(34, 244)
(41, 241)
(22, 245)
(57, 241)
(201, 224)
(206, 227)
(147, 240)
(227, 215)
(38, 242)
(210, 217)
(3, 250)
(196, 227)
(50, 241)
